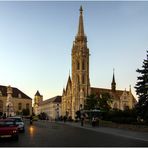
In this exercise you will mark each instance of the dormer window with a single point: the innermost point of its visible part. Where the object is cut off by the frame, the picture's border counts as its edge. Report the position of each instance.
(19, 95)
(0, 93)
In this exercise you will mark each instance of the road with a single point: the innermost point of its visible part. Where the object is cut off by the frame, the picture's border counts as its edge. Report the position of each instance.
(51, 134)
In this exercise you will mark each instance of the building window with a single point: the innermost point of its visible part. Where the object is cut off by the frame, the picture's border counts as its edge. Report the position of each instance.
(19, 95)
(1, 106)
(83, 65)
(125, 107)
(83, 79)
(0, 93)
(78, 79)
(20, 106)
(27, 106)
(78, 65)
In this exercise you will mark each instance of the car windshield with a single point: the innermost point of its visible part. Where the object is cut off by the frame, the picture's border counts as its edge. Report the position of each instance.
(17, 119)
(7, 123)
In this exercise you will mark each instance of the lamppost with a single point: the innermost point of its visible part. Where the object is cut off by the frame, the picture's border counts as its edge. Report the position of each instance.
(8, 111)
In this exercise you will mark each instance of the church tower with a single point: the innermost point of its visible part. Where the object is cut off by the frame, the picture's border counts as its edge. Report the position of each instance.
(80, 68)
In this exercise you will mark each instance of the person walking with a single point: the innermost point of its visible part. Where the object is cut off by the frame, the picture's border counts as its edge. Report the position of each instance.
(82, 120)
(93, 121)
(31, 119)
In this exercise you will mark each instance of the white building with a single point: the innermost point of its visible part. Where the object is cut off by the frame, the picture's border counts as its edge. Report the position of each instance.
(52, 106)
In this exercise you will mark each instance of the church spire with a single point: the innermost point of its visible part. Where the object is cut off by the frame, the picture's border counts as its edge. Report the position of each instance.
(81, 27)
(113, 85)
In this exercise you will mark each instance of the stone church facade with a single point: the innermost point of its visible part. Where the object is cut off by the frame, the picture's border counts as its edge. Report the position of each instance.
(78, 86)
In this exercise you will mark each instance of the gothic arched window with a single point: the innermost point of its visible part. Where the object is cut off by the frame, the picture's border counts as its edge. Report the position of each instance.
(83, 79)
(83, 65)
(78, 65)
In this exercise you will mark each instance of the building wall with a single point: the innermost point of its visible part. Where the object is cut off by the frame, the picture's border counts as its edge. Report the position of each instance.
(16, 102)
(52, 109)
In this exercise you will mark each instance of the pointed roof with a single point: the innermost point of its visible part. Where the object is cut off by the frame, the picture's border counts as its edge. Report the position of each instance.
(81, 27)
(37, 93)
(69, 83)
(56, 99)
(113, 80)
(63, 91)
(113, 85)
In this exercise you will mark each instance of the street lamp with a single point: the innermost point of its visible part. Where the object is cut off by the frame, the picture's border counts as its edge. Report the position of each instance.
(8, 111)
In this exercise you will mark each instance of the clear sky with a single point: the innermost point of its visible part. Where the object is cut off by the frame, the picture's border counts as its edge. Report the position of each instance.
(36, 41)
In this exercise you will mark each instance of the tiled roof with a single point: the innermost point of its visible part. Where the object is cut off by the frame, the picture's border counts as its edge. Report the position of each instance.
(56, 99)
(116, 94)
(15, 92)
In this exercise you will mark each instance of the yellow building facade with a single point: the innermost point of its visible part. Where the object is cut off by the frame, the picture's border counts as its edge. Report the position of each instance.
(13, 101)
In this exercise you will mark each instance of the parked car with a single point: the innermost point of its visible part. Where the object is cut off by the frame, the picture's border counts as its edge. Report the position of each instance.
(8, 129)
(19, 122)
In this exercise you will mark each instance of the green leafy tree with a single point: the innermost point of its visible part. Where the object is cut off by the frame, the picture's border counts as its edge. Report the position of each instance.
(102, 102)
(142, 90)
(91, 102)
(105, 101)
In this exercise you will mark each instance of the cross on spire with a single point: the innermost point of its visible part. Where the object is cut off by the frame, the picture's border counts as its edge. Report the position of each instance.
(81, 27)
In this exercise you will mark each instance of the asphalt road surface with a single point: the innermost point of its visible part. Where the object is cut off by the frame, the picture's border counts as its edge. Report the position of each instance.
(51, 134)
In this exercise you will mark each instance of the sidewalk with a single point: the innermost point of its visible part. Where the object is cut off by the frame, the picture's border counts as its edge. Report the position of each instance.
(113, 131)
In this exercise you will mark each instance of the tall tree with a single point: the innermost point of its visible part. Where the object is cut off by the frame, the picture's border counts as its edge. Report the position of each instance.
(102, 102)
(142, 90)
(105, 101)
(91, 102)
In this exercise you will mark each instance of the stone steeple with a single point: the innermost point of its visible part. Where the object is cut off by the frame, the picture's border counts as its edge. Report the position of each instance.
(113, 85)
(81, 35)
(81, 27)
(80, 67)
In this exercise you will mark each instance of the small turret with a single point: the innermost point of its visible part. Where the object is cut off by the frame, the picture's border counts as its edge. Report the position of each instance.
(9, 90)
(113, 84)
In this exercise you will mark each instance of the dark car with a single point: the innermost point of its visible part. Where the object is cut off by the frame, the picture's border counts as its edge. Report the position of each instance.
(19, 122)
(8, 129)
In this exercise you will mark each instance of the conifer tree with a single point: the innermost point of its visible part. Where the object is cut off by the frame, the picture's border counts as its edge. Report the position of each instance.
(142, 90)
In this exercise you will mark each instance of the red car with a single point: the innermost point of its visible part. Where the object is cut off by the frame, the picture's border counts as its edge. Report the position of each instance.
(8, 128)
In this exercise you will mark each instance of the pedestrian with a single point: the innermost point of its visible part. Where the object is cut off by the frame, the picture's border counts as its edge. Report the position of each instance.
(93, 121)
(64, 118)
(31, 119)
(82, 120)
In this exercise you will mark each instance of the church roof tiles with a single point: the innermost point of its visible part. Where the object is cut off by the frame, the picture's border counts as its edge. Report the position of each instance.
(56, 99)
(15, 92)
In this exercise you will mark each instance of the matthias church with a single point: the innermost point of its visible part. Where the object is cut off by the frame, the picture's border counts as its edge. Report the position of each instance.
(78, 85)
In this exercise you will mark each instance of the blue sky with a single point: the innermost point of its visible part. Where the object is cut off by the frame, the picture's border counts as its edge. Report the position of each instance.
(36, 40)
